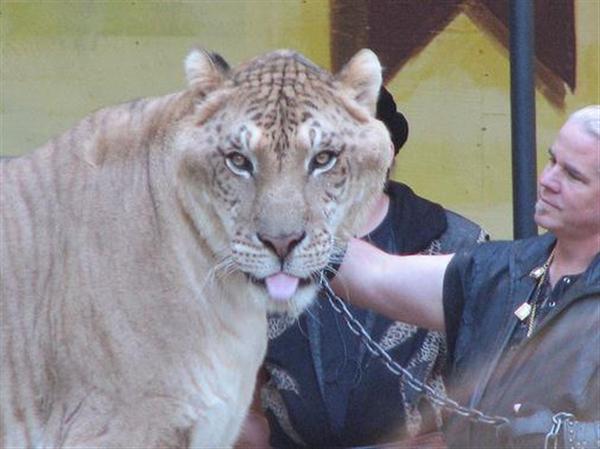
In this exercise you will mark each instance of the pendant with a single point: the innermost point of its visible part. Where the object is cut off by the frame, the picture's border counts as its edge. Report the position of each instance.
(523, 311)
(538, 272)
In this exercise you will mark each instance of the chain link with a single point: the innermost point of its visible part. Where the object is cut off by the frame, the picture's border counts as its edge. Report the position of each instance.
(558, 421)
(374, 348)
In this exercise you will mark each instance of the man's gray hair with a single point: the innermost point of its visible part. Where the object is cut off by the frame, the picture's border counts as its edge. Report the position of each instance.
(589, 119)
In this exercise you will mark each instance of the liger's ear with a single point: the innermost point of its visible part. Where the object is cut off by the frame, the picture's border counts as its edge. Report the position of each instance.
(361, 77)
(205, 71)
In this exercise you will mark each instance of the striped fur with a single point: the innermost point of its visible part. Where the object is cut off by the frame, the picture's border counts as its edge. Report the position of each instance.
(129, 246)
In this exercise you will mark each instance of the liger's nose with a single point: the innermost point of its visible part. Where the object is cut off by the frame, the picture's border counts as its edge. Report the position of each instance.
(282, 245)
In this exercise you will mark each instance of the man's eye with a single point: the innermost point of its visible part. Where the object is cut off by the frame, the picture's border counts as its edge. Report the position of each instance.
(323, 161)
(239, 164)
(573, 176)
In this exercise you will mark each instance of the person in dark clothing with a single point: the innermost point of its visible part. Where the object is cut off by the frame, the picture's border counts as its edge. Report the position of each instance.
(522, 319)
(319, 379)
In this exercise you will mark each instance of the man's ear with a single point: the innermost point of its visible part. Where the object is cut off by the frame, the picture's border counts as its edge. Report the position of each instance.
(361, 78)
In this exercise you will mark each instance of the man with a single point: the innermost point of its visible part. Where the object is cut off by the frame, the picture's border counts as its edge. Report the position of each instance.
(522, 319)
(320, 386)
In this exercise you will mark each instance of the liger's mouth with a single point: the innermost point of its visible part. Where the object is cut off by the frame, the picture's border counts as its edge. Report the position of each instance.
(280, 286)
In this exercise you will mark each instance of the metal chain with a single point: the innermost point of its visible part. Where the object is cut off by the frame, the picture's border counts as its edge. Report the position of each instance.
(374, 348)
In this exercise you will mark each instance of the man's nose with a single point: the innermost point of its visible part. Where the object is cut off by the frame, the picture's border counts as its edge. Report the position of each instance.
(549, 178)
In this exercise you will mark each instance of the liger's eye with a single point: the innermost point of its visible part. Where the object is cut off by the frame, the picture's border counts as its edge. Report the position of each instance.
(323, 161)
(239, 164)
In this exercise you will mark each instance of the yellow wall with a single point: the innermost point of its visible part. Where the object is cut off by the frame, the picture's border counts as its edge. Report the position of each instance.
(61, 60)
(456, 94)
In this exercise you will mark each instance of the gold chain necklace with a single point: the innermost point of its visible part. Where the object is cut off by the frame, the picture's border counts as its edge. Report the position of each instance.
(540, 274)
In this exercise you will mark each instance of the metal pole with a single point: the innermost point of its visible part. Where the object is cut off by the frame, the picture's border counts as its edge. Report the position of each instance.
(522, 95)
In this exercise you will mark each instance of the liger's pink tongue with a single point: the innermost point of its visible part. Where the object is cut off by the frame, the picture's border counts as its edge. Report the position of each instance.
(281, 286)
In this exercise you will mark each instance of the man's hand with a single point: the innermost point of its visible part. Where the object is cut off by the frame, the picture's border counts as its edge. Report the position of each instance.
(255, 431)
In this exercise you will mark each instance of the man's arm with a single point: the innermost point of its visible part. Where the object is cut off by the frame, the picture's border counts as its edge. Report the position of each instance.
(403, 288)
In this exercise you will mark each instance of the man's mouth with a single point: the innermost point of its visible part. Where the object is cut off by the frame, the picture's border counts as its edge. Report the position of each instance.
(549, 203)
(281, 286)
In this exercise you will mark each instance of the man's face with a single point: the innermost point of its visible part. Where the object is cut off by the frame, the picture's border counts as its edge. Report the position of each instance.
(569, 187)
